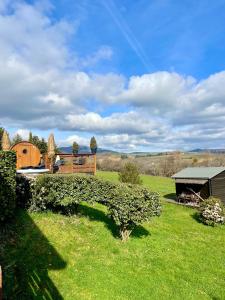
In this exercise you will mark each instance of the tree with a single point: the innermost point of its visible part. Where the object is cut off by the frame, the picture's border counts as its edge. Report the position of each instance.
(6, 144)
(30, 137)
(40, 143)
(130, 174)
(1, 133)
(51, 151)
(17, 138)
(75, 148)
(93, 145)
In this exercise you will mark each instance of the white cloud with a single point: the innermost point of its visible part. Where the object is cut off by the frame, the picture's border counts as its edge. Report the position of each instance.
(24, 133)
(161, 90)
(129, 122)
(43, 85)
(103, 53)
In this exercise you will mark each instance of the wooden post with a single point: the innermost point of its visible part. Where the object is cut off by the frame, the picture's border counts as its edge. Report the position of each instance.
(1, 292)
(94, 164)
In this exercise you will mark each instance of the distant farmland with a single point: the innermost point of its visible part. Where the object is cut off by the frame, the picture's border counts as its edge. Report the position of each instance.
(160, 164)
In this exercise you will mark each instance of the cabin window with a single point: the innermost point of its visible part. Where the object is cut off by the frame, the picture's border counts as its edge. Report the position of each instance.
(24, 151)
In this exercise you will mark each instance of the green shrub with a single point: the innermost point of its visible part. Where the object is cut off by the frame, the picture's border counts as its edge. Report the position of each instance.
(130, 174)
(212, 211)
(50, 191)
(7, 184)
(128, 205)
(24, 191)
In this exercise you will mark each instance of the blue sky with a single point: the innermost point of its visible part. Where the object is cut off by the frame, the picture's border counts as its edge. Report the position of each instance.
(139, 75)
(148, 36)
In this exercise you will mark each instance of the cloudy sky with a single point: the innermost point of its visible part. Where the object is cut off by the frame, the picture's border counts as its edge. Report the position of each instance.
(140, 75)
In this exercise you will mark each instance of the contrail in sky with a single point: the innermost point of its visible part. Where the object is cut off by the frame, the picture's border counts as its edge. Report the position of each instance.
(126, 31)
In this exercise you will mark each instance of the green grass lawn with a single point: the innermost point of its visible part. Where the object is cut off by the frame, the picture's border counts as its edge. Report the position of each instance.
(50, 256)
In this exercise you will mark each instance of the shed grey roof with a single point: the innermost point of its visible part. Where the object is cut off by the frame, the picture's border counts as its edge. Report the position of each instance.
(201, 172)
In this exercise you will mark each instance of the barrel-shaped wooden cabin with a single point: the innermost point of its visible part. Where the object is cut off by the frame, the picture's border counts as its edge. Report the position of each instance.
(27, 155)
(200, 183)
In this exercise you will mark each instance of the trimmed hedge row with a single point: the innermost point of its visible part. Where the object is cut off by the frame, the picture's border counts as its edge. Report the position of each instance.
(7, 184)
(128, 205)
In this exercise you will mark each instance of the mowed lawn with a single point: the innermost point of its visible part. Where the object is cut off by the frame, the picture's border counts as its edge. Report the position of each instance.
(81, 257)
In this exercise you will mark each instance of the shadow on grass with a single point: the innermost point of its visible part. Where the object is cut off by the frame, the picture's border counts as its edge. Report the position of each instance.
(97, 215)
(26, 258)
(196, 217)
(171, 196)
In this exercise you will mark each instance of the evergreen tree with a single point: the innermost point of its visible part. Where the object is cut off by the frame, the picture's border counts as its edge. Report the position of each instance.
(17, 138)
(1, 133)
(30, 137)
(75, 148)
(40, 143)
(93, 145)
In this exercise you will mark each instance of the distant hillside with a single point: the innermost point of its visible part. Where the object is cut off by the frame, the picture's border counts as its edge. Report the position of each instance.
(85, 149)
(199, 150)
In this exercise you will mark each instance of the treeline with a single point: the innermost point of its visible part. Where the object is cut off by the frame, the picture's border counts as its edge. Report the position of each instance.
(165, 165)
(41, 143)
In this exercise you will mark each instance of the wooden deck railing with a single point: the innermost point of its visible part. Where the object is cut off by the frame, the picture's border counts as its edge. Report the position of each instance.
(75, 163)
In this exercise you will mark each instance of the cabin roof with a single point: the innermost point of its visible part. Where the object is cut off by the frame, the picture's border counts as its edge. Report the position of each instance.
(199, 172)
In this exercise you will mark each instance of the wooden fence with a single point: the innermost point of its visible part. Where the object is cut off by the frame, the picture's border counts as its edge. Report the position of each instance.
(75, 163)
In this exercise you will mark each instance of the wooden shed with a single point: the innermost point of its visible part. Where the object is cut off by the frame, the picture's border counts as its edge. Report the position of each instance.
(200, 182)
(27, 155)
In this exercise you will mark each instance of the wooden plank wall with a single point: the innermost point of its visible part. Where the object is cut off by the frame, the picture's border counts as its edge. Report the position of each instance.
(218, 186)
(88, 165)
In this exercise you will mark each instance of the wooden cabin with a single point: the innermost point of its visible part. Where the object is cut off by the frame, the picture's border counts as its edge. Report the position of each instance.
(27, 155)
(194, 184)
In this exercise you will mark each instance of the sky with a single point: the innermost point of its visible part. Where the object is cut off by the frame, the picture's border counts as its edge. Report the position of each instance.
(139, 75)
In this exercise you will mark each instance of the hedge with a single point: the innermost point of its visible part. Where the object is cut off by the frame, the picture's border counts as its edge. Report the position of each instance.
(7, 184)
(128, 205)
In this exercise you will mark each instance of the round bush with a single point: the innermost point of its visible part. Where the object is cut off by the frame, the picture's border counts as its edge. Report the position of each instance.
(130, 174)
(212, 211)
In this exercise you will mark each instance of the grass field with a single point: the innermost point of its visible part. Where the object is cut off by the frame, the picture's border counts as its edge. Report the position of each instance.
(50, 256)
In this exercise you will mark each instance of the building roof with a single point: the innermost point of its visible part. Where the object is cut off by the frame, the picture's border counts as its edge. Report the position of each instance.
(200, 172)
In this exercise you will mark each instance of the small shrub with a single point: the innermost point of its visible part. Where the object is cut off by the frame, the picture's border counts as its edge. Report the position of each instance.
(132, 205)
(130, 174)
(212, 211)
(7, 184)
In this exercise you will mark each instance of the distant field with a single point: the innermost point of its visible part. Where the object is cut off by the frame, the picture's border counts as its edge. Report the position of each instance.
(160, 165)
(51, 256)
(162, 185)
